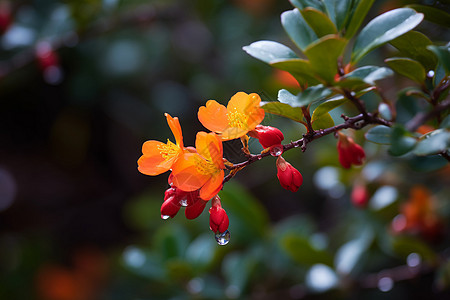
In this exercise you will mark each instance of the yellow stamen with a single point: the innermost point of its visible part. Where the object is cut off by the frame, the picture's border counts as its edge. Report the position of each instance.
(168, 150)
(205, 167)
(237, 119)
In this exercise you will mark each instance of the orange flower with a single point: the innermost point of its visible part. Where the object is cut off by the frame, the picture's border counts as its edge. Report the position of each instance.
(158, 157)
(202, 170)
(241, 115)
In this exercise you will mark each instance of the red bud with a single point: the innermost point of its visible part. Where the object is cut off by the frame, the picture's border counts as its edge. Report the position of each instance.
(218, 219)
(195, 205)
(289, 177)
(349, 152)
(360, 196)
(267, 135)
(171, 204)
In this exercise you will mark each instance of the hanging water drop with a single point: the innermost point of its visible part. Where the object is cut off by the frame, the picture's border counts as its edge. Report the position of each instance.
(223, 238)
(276, 150)
(165, 217)
(184, 202)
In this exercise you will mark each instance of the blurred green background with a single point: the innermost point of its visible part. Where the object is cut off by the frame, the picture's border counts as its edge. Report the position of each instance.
(83, 83)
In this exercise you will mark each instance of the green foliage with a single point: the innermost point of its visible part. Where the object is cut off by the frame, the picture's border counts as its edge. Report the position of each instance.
(407, 67)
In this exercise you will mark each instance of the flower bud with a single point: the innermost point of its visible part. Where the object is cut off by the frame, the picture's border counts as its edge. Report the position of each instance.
(195, 205)
(349, 152)
(289, 177)
(171, 204)
(360, 196)
(218, 219)
(267, 135)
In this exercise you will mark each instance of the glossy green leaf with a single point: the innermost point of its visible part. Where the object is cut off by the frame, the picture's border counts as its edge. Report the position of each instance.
(414, 44)
(323, 55)
(299, 68)
(357, 17)
(434, 142)
(327, 106)
(308, 96)
(408, 68)
(432, 14)
(379, 135)
(303, 252)
(401, 141)
(322, 122)
(297, 28)
(427, 163)
(385, 111)
(443, 55)
(283, 110)
(338, 11)
(269, 51)
(383, 29)
(302, 4)
(319, 22)
(364, 75)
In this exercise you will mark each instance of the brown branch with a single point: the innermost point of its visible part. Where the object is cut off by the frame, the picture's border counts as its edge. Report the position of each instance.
(357, 102)
(356, 123)
(421, 118)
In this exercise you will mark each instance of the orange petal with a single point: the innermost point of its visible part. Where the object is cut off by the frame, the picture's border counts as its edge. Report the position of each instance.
(186, 174)
(175, 126)
(244, 103)
(213, 116)
(153, 162)
(232, 133)
(209, 145)
(212, 186)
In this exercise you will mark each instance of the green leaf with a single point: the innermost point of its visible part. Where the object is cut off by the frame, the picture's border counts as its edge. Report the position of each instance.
(385, 111)
(269, 51)
(299, 68)
(414, 44)
(308, 96)
(357, 17)
(283, 110)
(401, 141)
(303, 252)
(383, 29)
(322, 122)
(379, 135)
(323, 55)
(443, 55)
(446, 122)
(432, 14)
(408, 68)
(319, 22)
(434, 142)
(327, 106)
(338, 11)
(363, 76)
(302, 4)
(297, 28)
(405, 245)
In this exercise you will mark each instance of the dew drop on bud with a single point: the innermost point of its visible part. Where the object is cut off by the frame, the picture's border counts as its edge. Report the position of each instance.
(223, 238)
(184, 202)
(165, 217)
(276, 150)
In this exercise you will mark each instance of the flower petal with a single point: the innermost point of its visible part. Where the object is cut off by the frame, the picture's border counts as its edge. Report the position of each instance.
(212, 186)
(209, 145)
(213, 116)
(175, 126)
(186, 172)
(153, 162)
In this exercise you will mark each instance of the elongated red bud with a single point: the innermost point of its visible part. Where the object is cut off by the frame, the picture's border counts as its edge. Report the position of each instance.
(349, 152)
(218, 219)
(171, 204)
(195, 205)
(289, 177)
(267, 135)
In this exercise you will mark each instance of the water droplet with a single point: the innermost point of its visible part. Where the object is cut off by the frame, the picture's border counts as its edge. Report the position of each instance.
(223, 238)
(259, 157)
(385, 284)
(165, 217)
(413, 260)
(276, 150)
(184, 202)
(430, 73)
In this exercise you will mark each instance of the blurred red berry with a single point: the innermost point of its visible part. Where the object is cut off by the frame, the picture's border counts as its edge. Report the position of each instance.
(360, 196)
(349, 152)
(289, 177)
